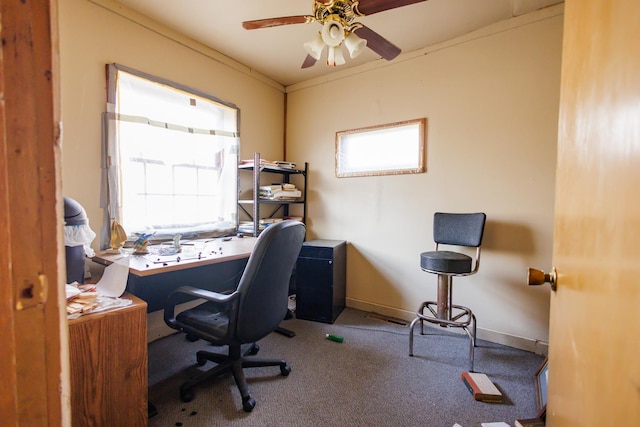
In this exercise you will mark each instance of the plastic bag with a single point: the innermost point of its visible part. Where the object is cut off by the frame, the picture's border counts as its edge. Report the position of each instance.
(79, 235)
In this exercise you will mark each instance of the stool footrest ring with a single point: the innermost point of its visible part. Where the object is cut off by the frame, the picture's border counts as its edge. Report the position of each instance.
(453, 320)
(468, 323)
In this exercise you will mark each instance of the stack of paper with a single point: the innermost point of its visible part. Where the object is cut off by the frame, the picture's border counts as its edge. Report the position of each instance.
(279, 192)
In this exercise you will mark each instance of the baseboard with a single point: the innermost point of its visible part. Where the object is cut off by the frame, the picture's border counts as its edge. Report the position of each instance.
(522, 343)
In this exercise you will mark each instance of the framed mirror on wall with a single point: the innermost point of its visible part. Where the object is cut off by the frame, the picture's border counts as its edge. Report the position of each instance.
(389, 149)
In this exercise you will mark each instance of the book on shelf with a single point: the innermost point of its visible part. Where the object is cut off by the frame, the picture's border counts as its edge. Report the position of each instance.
(270, 163)
(278, 187)
(481, 387)
(279, 192)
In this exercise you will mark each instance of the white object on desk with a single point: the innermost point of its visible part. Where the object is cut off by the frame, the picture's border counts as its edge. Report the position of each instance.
(114, 279)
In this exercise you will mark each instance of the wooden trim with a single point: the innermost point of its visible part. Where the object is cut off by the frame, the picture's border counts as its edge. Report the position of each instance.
(32, 216)
(9, 395)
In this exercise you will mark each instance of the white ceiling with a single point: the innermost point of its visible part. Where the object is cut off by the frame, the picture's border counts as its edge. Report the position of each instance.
(278, 53)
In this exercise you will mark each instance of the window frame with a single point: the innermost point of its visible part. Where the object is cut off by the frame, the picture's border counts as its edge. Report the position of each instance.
(110, 198)
(347, 139)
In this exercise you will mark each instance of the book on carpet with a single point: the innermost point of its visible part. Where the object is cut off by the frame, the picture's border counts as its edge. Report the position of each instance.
(481, 387)
(529, 422)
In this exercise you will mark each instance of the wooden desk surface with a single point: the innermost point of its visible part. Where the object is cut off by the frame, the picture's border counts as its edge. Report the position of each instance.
(215, 251)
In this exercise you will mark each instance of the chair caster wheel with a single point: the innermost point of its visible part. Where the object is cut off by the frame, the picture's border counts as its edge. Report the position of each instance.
(186, 395)
(248, 404)
(285, 370)
(191, 338)
(200, 360)
(255, 348)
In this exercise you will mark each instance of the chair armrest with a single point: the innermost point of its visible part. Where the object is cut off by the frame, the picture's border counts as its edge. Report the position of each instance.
(169, 308)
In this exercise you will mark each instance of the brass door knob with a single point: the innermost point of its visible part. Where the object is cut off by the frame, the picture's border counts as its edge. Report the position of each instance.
(538, 277)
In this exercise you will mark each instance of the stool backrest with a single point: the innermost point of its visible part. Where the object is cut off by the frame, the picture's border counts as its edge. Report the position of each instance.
(459, 229)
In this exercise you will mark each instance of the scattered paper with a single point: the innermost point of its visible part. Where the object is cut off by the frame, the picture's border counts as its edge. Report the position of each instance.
(114, 279)
(71, 290)
(107, 303)
(498, 424)
(102, 304)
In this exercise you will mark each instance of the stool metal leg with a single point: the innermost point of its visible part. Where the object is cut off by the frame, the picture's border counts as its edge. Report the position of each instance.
(444, 297)
(413, 323)
(472, 339)
(473, 320)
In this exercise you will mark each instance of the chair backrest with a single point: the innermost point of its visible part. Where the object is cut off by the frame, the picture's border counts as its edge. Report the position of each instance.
(459, 229)
(264, 285)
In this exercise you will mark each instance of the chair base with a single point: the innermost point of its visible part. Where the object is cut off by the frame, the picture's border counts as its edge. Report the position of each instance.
(234, 362)
(457, 316)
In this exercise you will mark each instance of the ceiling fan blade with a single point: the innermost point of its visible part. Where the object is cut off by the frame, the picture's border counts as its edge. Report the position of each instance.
(368, 7)
(275, 22)
(309, 61)
(378, 44)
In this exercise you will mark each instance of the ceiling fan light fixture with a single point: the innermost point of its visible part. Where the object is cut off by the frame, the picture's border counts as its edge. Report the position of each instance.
(315, 46)
(334, 56)
(355, 45)
(332, 33)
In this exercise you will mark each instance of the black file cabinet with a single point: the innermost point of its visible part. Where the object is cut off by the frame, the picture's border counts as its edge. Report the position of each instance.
(321, 278)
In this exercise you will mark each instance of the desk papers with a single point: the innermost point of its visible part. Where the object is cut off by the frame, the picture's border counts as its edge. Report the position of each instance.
(114, 279)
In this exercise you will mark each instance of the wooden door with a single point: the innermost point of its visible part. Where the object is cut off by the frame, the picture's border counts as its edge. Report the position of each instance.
(34, 384)
(594, 371)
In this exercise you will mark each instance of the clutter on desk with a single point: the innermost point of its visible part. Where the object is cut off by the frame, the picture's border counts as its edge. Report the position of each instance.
(85, 299)
(104, 295)
(114, 278)
(172, 249)
(141, 243)
(118, 236)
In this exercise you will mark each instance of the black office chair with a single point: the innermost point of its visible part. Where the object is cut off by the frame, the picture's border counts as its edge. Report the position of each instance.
(251, 312)
(451, 229)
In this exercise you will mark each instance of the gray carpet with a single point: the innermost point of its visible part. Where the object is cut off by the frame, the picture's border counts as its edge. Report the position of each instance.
(368, 380)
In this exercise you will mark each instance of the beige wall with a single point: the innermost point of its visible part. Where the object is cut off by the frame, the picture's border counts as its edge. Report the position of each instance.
(94, 33)
(491, 100)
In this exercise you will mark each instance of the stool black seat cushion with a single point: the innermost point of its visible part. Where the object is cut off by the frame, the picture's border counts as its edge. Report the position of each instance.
(446, 262)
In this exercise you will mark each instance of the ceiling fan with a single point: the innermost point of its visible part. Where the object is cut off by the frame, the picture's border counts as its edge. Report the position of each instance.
(339, 27)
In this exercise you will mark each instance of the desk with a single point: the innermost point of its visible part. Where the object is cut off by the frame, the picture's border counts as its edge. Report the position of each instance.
(153, 280)
(108, 361)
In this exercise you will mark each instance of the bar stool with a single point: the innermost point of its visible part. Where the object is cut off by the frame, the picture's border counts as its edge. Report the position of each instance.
(451, 229)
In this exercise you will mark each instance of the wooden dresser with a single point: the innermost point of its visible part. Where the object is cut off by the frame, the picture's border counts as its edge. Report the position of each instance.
(108, 357)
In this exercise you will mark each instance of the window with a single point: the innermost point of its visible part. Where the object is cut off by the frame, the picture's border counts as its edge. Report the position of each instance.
(171, 157)
(395, 148)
